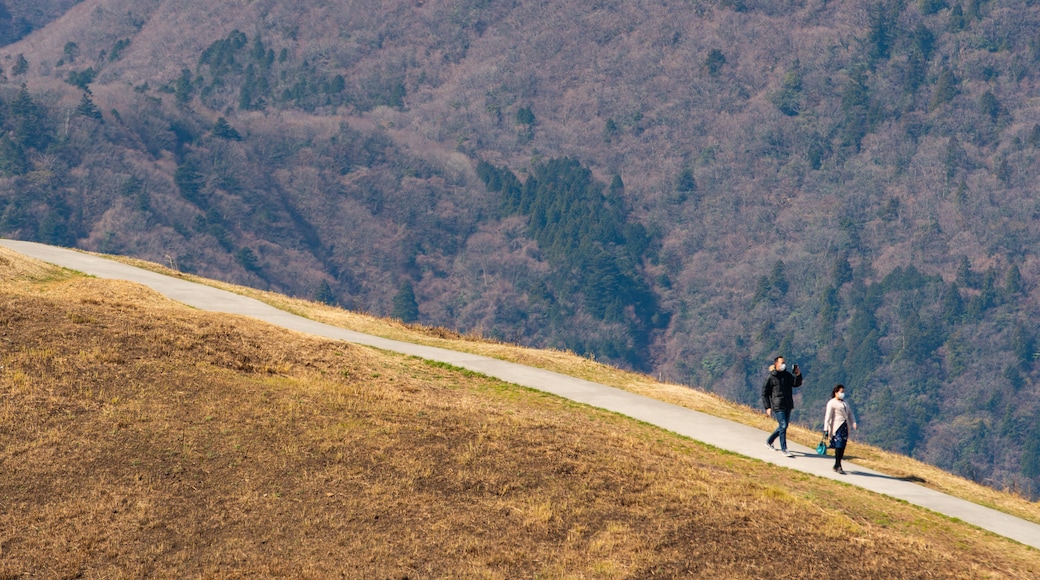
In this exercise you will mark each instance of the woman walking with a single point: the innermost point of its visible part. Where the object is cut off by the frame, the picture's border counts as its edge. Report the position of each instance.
(836, 422)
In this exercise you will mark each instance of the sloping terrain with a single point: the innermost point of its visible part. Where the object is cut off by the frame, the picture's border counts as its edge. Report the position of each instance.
(18, 19)
(142, 438)
(684, 188)
(406, 338)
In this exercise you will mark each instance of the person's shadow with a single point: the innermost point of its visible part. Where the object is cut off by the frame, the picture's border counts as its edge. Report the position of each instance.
(907, 478)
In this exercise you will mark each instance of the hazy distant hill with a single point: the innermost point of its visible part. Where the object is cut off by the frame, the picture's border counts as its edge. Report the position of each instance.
(686, 189)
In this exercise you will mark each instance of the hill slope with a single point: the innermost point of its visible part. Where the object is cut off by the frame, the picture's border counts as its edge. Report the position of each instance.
(144, 437)
(685, 189)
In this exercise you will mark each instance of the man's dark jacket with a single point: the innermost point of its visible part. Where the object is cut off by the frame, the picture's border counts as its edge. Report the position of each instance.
(778, 392)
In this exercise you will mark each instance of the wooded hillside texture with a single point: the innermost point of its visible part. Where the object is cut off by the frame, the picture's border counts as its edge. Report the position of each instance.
(687, 188)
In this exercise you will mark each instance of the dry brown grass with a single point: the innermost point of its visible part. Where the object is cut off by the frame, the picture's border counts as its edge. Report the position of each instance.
(143, 438)
(571, 364)
(146, 439)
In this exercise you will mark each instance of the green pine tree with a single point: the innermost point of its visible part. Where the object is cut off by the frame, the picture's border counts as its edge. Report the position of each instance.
(247, 258)
(21, 66)
(224, 130)
(324, 294)
(714, 62)
(945, 89)
(405, 307)
(686, 183)
(183, 90)
(1013, 281)
(87, 108)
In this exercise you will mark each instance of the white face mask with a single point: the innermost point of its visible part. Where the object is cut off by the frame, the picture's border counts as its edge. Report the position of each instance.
(781, 367)
(841, 396)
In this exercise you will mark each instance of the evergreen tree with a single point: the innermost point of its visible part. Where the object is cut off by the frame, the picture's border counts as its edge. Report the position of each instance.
(258, 52)
(917, 58)
(81, 79)
(190, 182)
(768, 339)
(1030, 459)
(965, 277)
(946, 88)
(990, 106)
(30, 126)
(616, 191)
(920, 339)
(714, 62)
(594, 251)
(855, 107)
(686, 183)
(816, 153)
(863, 358)
(12, 157)
(955, 157)
(246, 94)
(829, 308)
(405, 307)
(778, 278)
(247, 258)
(956, 21)
(931, 6)
(881, 31)
(337, 85)
(1023, 344)
(987, 298)
(953, 305)
(118, 48)
(761, 290)
(87, 108)
(183, 90)
(915, 73)
(788, 98)
(524, 116)
(70, 52)
(1013, 281)
(224, 130)
(973, 9)
(21, 66)
(842, 271)
(324, 294)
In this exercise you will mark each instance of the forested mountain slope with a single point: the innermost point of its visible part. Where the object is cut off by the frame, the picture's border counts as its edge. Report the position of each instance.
(683, 188)
(18, 18)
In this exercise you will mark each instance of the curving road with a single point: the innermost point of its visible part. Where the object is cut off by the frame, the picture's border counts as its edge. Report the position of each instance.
(718, 432)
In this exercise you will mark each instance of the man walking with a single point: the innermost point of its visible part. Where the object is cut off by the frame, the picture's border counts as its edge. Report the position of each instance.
(778, 398)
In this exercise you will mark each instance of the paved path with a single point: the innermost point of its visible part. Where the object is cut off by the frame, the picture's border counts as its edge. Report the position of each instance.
(721, 433)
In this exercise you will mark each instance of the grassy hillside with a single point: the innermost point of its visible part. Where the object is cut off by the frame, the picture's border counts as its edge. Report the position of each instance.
(146, 438)
(569, 363)
(685, 189)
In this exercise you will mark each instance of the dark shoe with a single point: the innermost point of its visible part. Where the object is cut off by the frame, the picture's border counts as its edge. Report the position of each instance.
(839, 470)
(787, 453)
(770, 445)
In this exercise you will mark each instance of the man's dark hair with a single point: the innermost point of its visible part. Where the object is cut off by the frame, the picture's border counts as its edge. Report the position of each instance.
(836, 388)
(778, 357)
